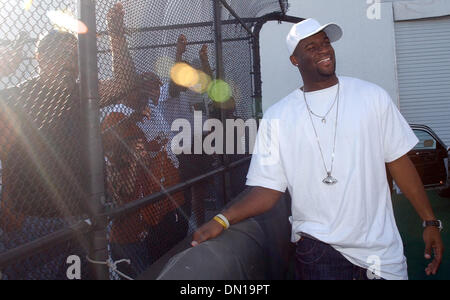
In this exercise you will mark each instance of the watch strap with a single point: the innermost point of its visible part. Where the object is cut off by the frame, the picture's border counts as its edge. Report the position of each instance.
(434, 223)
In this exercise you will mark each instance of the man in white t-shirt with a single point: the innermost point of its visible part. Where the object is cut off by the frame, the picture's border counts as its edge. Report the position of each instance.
(329, 143)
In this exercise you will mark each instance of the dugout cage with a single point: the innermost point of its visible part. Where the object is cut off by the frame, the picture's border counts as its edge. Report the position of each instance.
(88, 180)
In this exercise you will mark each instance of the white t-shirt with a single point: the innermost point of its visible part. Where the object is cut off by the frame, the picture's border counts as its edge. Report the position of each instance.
(354, 216)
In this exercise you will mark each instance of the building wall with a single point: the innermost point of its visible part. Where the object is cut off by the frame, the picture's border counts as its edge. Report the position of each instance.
(366, 51)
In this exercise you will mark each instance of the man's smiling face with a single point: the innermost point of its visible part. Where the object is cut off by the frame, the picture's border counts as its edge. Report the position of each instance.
(315, 57)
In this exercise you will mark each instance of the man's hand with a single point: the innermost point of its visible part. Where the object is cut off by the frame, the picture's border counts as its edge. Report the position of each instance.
(208, 231)
(405, 175)
(115, 20)
(157, 144)
(121, 88)
(147, 112)
(203, 54)
(204, 59)
(433, 243)
(256, 202)
(162, 141)
(181, 46)
(139, 149)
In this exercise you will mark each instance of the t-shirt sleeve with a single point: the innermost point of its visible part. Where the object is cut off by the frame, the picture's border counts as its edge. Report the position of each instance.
(398, 137)
(266, 168)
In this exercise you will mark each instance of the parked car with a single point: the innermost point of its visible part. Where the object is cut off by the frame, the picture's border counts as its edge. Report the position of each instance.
(431, 159)
(430, 156)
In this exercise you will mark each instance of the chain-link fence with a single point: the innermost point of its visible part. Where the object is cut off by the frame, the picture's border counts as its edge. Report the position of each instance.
(161, 63)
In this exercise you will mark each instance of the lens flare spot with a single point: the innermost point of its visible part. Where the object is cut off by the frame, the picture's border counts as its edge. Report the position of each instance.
(66, 22)
(219, 91)
(204, 80)
(184, 75)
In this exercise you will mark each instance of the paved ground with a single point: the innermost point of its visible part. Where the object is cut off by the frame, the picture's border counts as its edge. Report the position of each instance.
(409, 225)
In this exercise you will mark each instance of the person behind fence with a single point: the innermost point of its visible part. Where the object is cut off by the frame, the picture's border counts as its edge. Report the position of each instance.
(328, 143)
(164, 171)
(126, 162)
(137, 153)
(41, 126)
(181, 104)
(11, 55)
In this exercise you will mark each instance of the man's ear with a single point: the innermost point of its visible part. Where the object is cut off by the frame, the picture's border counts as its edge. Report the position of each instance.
(294, 60)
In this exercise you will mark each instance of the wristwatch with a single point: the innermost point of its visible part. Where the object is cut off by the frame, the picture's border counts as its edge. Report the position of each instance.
(437, 223)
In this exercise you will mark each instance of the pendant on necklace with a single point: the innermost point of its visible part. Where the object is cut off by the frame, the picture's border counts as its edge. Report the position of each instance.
(330, 180)
(324, 121)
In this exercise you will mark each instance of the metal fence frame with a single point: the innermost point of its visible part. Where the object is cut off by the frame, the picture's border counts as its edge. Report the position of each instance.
(94, 227)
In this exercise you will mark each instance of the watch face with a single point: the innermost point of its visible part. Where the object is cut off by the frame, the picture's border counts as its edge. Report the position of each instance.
(437, 224)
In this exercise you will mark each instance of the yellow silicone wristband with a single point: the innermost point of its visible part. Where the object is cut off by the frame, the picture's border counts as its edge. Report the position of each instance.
(220, 221)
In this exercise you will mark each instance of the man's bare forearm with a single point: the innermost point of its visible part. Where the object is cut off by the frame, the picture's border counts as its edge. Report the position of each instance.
(206, 67)
(408, 180)
(258, 201)
(123, 65)
(124, 78)
(174, 89)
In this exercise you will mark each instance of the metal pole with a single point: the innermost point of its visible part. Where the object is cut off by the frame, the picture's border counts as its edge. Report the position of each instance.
(174, 45)
(221, 75)
(280, 17)
(218, 38)
(234, 14)
(154, 198)
(257, 71)
(94, 151)
(131, 30)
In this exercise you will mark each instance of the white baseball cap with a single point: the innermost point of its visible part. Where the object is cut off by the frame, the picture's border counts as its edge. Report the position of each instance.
(309, 27)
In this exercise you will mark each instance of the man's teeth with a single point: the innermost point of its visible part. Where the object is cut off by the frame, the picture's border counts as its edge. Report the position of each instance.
(324, 60)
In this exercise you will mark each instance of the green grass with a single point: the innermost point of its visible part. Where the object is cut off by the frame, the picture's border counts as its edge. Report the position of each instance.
(409, 224)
